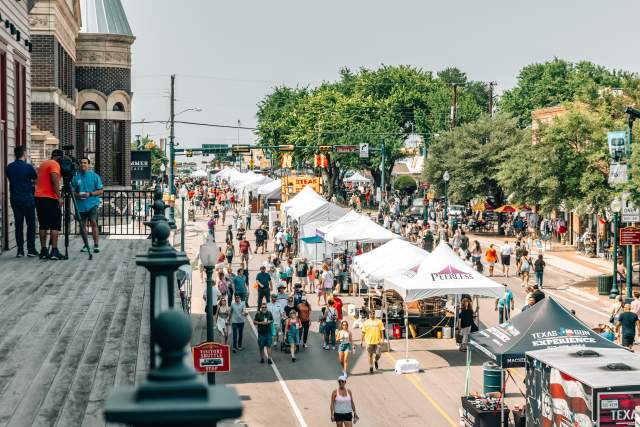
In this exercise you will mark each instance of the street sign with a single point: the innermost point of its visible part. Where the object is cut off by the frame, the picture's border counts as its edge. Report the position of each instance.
(140, 165)
(211, 357)
(630, 213)
(630, 236)
(364, 150)
(215, 148)
(345, 148)
(617, 173)
(242, 148)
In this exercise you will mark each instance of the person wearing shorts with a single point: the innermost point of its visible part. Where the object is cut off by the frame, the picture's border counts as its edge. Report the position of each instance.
(48, 204)
(345, 345)
(342, 408)
(505, 257)
(87, 187)
(492, 257)
(263, 320)
(372, 336)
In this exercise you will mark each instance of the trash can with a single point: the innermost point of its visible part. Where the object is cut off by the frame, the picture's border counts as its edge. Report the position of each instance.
(605, 283)
(492, 377)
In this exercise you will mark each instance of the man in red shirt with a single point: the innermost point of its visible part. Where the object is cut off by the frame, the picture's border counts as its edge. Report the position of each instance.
(245, 250)
(48, 204)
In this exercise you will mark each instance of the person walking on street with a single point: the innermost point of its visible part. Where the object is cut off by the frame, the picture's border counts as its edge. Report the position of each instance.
(21, 176)
(343, 408)
(245, 251)
(327, 282)
(466, 322)
(223, 319)
(292, 329)
(345, 346)
(372, 329)
(330, 326)
(277, 313)
(87, 187)
(229, 252)
(538, 267)
(635, 304)
(302, 269)
(264, 285)
(240, 289)
(263, 320)
(525, 267)
(627, 327)
(505, 257)
(492, 257)
(504, 305)
(238, 311)
(304, 314)
(261, 239)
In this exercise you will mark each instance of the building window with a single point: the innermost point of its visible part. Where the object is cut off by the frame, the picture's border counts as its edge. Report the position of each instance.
(90, 132)
(90, 106)
(20, 103)
(117, 152)
(118, 106)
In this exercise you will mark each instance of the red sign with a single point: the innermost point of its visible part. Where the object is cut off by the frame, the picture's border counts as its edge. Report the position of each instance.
(211, 357)
(616, 409)
(345, 148)
(630, 236)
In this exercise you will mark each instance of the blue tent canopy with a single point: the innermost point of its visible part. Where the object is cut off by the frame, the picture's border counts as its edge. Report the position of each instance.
(312, 239)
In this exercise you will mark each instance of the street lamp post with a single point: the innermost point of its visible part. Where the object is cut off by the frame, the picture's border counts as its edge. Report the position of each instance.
(208, 260)
(445, 177)
(616, 207)
(183, 197)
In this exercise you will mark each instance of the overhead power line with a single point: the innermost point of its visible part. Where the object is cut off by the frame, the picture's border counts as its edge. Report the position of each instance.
(213, 125)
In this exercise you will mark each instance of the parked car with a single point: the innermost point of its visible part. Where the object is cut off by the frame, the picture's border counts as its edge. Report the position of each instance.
(456, 210)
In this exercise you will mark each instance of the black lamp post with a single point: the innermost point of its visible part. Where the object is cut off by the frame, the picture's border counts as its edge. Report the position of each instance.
(445, 177)
(616, 207)
(208, 260)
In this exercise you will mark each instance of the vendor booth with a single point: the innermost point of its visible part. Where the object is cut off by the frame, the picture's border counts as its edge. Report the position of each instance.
(226, 174)
(440, 274)
(391, 259)
(547, 324)
(199, 173)
(568, 386)
(357, 178)
(362, 230)
(270, 191)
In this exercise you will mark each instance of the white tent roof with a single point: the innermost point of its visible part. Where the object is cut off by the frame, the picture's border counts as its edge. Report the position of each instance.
(304, 196)
(443, 273)
(242, 177)
(356, 177)
(252, 183)
(391, 259)
(271, 190)
(226, 173)
(326, 228)
(362, 230)
(198, 173)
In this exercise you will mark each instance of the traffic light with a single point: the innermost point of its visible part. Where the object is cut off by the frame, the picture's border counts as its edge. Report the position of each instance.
(286, 147)
(325, 148)
(251, 164)
(189, 153)
(286, 161)
(320, 161)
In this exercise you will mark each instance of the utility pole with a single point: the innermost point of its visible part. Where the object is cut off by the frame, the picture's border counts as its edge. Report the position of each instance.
(240, 156)
(454, 107)
(491, 86)
(382, 166)
(172, 154)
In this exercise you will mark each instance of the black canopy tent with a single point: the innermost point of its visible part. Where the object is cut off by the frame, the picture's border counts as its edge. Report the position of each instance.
(546, 324)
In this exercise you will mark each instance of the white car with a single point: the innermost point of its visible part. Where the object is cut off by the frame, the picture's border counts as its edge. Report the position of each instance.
(456, 210)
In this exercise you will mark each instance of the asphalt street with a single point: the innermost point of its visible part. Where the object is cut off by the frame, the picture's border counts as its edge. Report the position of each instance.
(298, 393)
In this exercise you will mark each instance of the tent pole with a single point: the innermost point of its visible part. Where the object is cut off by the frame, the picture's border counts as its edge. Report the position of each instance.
(406, 331)
(504, 390)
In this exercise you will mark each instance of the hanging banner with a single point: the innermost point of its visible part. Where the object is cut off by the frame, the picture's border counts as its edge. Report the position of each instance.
(140, 165)
(618, 173)
(617, 140)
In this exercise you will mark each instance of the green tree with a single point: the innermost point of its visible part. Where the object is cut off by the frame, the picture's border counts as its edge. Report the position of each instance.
(473, 154)
(405, 184)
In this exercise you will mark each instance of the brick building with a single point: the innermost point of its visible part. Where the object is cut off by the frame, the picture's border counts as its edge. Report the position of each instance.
(15, 99)
(82, 83)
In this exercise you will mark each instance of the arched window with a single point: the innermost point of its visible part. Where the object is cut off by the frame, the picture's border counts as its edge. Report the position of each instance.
(90, 106)
(118, 106)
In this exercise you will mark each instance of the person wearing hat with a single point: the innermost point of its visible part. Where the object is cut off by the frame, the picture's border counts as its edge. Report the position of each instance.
(48, 198)
(277, 313)
(343, 408)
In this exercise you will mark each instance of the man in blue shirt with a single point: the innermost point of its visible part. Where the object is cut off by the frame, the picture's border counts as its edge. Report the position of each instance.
(504, 305)
(87, 187)
(21, 176)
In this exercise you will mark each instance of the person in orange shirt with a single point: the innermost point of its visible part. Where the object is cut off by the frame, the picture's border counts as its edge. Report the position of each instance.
(492, 257)
(48, 204)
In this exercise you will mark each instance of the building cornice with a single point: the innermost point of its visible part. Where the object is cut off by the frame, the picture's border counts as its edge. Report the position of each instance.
(53, 95)
(55, 18)
(104, 50)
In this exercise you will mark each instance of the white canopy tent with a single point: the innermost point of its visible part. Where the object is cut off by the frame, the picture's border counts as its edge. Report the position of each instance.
(239, 179)
(253, 183)
(328, 227)
(362, 230)
(270, 190)
(304, 196)
(391, 259)
(443, 272)
(226, 173)
(199, 173)
(357, 178)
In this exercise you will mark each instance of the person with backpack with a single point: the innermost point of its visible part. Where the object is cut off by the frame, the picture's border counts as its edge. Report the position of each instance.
(229, 252)
(464, 243)
(302, 269)
(330, 326)
(538, 267)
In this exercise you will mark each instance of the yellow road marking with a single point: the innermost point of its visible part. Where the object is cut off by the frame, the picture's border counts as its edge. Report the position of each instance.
(413, 379)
